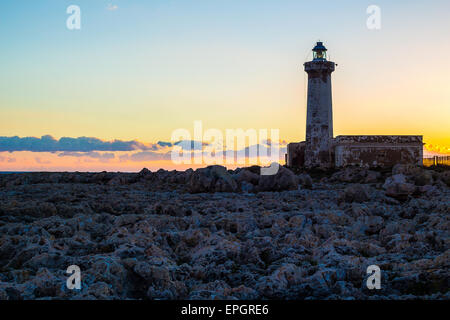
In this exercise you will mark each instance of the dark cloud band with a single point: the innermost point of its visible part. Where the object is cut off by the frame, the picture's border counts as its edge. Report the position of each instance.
(82, 144)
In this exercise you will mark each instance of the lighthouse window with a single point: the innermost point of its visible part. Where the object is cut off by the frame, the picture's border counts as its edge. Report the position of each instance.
(320, 55)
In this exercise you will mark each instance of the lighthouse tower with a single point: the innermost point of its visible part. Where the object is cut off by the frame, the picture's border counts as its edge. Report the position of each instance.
(322, 150)
(319, 119)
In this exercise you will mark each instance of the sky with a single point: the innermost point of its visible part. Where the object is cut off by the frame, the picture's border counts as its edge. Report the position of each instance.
(138, 70)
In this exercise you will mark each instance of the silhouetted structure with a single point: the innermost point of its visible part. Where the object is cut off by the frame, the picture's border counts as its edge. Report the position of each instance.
(322, 150)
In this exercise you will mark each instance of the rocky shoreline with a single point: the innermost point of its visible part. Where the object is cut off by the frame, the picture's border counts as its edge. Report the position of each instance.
(226, 234)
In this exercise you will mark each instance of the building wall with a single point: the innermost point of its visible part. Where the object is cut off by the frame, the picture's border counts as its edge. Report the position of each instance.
(378, 151)
(295, 154)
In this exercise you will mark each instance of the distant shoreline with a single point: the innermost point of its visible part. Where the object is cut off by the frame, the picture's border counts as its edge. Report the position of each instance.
(13, 172)
(9, 172)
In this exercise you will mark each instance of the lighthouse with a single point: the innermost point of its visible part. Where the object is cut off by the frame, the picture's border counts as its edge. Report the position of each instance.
(322, 150)
(319, 117)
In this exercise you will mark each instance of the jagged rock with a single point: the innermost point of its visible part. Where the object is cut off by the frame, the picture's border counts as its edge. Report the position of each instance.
(46, 284)
(374, 224)
(247, 176)
(188, 174)
(155, 240)
(423, 177)
(372, 176)
(3, 294)
(284, 179)
(356, 193)
(359, 209)
(247, 187)
(397, 187)
(398, 178)
(168, 290)
(102, 177)
(274, 286)
(144, 172)
(305, 180)
(445, 177)
(429, 190)
(212, 179)
(350, 174)
(242, 293)
(405, 169)
(101, 291)
(118, 180)
(355, 175)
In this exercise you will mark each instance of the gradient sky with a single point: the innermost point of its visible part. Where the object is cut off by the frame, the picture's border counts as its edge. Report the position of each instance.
(146, 68)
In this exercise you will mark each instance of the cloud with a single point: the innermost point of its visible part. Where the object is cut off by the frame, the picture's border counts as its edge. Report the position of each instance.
(90, 149)
(40, 161)
(7, 159)
(82, 144)
(435, 149)
(87, 144)
(112, 7)
(190, 144)
(164, 144)
(145, 156)
(92, 154)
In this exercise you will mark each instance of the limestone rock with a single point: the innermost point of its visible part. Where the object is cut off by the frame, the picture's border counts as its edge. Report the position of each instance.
(212, 179)
(246, 175)
(305, 180)
(356, 193)
(445, 177)
(155, 240)
(284, 179)
(423, 177)
(405, 169)
(397, 187)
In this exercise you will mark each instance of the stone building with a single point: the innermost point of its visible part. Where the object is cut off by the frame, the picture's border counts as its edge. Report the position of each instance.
(322, 150)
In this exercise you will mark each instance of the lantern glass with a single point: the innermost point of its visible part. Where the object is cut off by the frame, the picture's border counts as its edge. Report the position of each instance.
(320, 55)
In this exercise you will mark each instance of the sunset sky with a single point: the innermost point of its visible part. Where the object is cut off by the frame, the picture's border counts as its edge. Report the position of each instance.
(137, 70)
